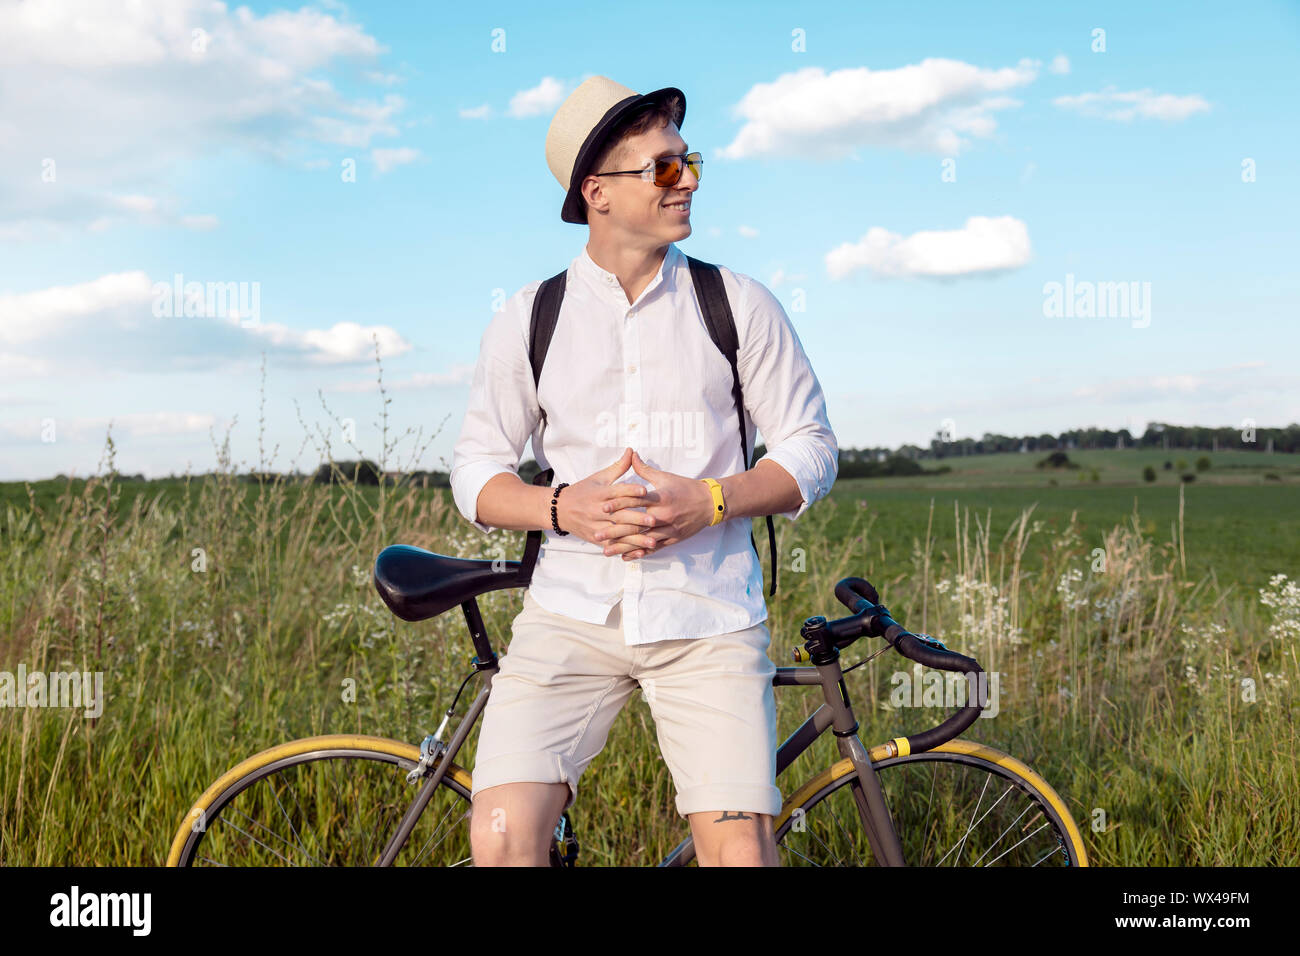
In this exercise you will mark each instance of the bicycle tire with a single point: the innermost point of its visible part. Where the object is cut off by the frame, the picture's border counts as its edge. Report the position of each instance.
(1063, 845)
(369, 767)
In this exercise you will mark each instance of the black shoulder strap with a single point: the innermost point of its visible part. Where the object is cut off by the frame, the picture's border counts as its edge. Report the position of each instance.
(722, 329)
(712, 296)
(546, 311)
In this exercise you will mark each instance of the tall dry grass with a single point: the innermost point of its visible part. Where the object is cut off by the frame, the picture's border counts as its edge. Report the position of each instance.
(227, 614)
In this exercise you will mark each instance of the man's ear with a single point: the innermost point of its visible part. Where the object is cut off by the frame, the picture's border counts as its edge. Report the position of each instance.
(593, 192)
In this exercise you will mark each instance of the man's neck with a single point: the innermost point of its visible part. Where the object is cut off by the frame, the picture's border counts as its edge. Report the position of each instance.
(635, 268)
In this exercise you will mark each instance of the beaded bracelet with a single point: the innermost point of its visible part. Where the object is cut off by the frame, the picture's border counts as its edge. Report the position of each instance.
(555, 523)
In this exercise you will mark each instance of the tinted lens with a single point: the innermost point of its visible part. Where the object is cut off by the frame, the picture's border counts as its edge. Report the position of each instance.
(696, 162)
(669, 170)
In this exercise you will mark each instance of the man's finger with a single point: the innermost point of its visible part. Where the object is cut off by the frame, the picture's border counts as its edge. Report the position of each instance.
(630, 542)
(627, 490)
(626, 514)
(616, 531)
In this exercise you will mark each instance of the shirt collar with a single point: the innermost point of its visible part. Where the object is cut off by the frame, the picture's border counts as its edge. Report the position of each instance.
(607, 280)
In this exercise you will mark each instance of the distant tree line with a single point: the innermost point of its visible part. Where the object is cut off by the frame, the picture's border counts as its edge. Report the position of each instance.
(1157, 435)
(882, 461)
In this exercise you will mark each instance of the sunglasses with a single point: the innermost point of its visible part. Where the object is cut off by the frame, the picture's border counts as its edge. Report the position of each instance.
(667, 170)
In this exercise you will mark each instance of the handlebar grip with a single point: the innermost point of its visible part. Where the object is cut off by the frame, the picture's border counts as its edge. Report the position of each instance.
(851, 591)
(906, 643)
(910, 647)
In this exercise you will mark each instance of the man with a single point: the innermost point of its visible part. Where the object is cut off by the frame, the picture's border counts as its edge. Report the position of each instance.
(648, 575)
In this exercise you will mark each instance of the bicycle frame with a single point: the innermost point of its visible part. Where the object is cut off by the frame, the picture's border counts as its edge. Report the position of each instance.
(835, 713)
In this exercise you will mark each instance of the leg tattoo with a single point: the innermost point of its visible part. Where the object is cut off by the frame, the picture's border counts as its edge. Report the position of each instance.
(726, 816)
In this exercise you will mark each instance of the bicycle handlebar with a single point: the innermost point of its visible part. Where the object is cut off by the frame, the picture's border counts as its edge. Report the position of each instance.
(873, 619)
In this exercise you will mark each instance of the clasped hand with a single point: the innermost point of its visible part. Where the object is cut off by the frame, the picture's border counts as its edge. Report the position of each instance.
(599, 511)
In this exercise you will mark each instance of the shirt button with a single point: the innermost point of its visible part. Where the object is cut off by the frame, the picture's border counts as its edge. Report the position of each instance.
(632, 369)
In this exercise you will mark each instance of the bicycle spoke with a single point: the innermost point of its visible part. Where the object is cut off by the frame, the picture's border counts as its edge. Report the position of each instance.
(983, 790)
(301, 811)
(463, 816)
(264, 827)
(1002, 834)
(292, 828)
(828, 849)
(1048, 855)
(331, 809)
(260, 843)
(960, 811)
(790, 849)
(991, 862)
(929, 804)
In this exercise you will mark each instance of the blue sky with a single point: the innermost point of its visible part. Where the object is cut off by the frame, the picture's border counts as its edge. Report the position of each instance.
(142, 141)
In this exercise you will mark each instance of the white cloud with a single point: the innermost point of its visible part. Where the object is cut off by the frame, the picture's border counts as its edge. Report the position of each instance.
(936, 105)
(1144, 104)
(341, 343)
(984, 244)
(1060, 65)
(386, 159)
(117, 94)
(382, 79)
(541, 99)
(109, 324)
(749, 232)
(476, 112)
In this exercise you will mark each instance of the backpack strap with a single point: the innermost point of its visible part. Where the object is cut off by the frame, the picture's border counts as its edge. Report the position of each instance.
(534, 543)
(712, 296)
(546, 312)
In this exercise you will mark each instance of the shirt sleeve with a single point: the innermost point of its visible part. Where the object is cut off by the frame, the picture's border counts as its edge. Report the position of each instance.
(783, 397)
(502, 411)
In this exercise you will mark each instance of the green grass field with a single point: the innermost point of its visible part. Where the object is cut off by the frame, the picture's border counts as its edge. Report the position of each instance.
(1240, 525)
(1156, 690)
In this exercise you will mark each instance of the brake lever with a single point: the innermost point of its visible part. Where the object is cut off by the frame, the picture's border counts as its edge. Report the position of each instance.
(933, 642)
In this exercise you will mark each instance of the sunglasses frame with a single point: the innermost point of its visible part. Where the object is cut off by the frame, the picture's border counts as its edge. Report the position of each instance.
(648, 173)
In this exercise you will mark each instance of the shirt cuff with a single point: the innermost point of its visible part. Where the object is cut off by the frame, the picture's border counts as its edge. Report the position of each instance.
(469, 481)
(812, 485)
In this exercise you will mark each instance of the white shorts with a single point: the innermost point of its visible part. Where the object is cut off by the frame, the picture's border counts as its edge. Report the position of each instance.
(563, 681)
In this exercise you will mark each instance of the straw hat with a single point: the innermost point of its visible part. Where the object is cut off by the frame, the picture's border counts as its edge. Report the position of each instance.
(580, 127)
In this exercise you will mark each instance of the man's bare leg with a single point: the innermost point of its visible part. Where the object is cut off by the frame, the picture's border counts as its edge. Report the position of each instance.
(733, 838)
(512, 825)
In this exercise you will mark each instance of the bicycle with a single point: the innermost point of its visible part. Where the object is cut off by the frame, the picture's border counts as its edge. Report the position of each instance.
(927, 799)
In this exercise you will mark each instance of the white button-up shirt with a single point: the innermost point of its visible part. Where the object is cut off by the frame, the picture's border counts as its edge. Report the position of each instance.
(646, 375)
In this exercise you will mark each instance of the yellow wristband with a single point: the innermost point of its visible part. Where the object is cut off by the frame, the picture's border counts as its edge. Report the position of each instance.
(719, 505)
